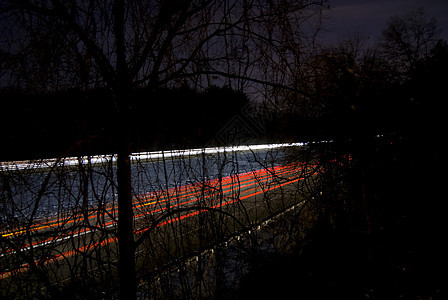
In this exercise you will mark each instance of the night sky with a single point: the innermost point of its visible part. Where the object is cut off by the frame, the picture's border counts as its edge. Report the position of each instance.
(369, 17)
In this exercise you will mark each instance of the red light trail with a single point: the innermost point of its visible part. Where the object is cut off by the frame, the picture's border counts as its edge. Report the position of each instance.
(230, 189)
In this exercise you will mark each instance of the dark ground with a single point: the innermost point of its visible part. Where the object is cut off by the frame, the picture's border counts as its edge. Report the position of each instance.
(386, 242)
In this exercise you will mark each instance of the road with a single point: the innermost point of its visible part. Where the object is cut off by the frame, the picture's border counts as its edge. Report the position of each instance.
(139, 156)
(63, 239)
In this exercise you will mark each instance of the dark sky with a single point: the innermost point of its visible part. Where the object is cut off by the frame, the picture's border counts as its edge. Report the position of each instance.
(369, 17)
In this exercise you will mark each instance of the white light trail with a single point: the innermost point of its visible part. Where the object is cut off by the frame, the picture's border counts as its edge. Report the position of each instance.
(100, 159)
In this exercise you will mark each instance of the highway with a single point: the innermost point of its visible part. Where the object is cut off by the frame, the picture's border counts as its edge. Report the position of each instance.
(60, 239)
(139, 156)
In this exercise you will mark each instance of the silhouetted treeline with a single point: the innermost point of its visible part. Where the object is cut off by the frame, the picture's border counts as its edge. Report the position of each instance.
(360, 96)
(74, 122)
(356, 94)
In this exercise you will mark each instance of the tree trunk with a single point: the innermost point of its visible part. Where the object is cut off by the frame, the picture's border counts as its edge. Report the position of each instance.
(126, 262)
(126, 245)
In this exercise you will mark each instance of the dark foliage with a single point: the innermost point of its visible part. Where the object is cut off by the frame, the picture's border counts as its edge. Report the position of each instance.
(383, 241)
(72, 123)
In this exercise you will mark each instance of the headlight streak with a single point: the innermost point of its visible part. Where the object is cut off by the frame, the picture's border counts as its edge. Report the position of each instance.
(101, 159)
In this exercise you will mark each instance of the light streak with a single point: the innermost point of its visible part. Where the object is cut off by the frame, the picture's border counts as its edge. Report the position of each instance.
(242, 178)
(154, 155)
(250, 180)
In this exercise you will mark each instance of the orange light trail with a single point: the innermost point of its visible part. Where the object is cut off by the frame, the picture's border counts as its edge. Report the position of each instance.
(228, 184)
(252, 180)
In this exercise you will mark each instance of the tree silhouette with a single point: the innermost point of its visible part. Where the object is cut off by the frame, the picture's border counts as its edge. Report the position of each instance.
(121, 45)
(408, 38)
